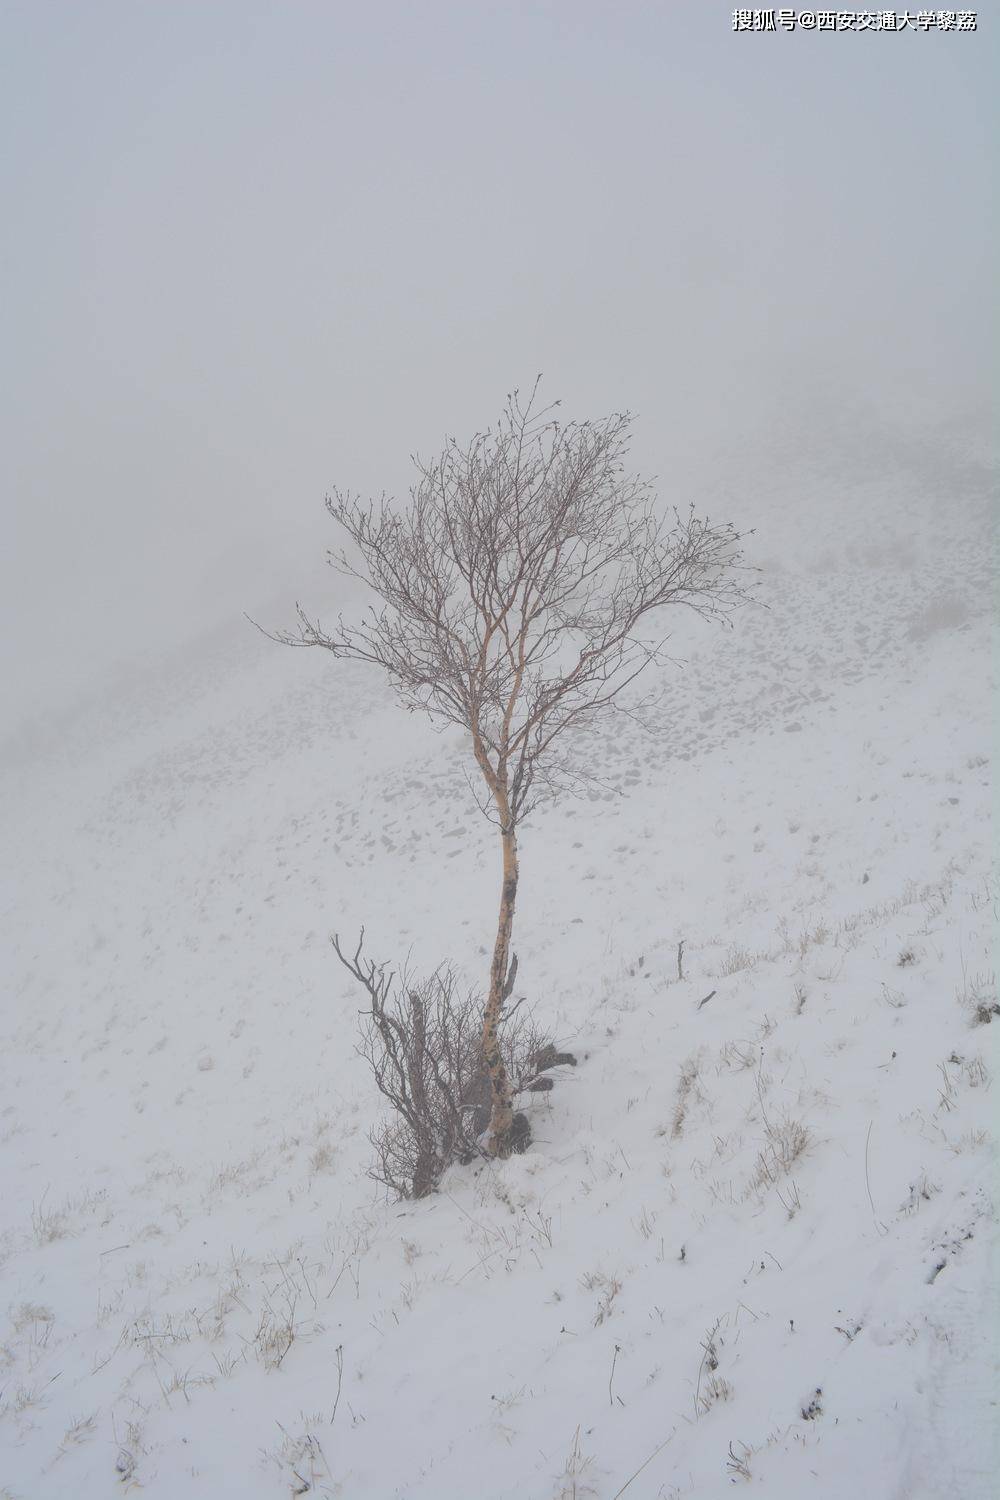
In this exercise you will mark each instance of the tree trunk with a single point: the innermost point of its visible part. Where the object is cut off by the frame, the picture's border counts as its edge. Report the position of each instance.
(502, 1113)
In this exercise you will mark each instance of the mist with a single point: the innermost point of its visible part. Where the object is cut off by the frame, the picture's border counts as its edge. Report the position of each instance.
(254, 251)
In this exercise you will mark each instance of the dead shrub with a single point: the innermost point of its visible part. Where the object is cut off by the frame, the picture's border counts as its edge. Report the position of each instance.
(978, 997)
(422, 1039)
(787, 1141)
(685, 1086)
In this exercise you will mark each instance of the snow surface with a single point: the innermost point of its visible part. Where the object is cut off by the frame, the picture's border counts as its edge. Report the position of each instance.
(751, 1241)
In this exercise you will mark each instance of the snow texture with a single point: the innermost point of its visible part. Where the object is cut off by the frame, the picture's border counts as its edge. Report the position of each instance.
(751, 1241)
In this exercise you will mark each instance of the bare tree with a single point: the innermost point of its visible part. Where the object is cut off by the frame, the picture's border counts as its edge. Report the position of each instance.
(513, 594)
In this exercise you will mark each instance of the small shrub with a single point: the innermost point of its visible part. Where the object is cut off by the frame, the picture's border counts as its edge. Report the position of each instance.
(609, 1287)
(714, 1389)
(422, 1039)
(571, 1483)
(30, 1313)
(47, 1224)
(125, 1465)
(685, 1085)
(979, 998)
(736, 960)
(787, 1141)
(921, 1191)
(738, 1464)
(741, 1057)
(321, 1159)
(711, 1386)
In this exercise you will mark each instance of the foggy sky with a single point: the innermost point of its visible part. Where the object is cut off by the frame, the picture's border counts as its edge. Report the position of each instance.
(255, 250)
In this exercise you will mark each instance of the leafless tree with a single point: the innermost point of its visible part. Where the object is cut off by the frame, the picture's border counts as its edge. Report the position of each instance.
(514, 592)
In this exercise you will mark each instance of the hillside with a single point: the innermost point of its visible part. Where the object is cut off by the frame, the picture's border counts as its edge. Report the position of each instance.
(752, 1240)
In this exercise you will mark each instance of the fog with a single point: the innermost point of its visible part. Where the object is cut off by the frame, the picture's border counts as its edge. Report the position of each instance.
(255, 250)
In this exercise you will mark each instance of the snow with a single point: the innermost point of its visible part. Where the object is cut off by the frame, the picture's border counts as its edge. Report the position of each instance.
(752, 1240)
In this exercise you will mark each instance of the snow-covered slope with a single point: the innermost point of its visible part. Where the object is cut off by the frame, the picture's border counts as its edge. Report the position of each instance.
(750, 1243)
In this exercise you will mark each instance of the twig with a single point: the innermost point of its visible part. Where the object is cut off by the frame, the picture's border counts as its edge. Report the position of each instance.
(868, 1182)
(680, 956)
(760, 1095)
(739, 1465)
(340, 1379)
(708, 1351)
(614, 1361)
(706, 999)
(618, 1493)
(121, 1340)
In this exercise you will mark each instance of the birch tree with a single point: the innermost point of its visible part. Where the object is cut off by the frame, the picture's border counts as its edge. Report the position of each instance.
(518, 595)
